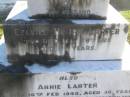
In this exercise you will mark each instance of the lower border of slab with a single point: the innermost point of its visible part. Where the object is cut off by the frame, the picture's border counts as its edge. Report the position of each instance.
(94, 84)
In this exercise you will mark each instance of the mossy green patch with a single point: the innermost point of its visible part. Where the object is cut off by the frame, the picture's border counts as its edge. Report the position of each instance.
(126, 14)
(1, 19)
(1, 31)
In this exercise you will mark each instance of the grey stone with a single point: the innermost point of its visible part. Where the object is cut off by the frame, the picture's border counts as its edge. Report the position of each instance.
(92, 9)
(52, 41)
(99, 84)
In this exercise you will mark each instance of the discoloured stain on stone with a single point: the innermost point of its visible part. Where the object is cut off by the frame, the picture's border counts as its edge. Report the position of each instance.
(77, 9)
(74, 73)
(22, 85)
(12, 84)
(52, 42)
(126, 28)
(60, 16)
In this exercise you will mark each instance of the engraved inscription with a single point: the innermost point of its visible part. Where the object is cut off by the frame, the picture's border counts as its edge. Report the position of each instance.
(50, 85)
(55, 43)
(68, 7)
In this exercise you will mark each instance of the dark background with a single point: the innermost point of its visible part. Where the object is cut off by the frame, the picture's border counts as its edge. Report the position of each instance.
(121, 4)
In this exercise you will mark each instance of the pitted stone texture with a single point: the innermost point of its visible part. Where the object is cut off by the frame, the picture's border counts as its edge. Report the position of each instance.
(66, 84)
(30, 41)
(92, 9)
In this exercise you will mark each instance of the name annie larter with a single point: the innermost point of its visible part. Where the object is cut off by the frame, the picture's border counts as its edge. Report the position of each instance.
(69, 86)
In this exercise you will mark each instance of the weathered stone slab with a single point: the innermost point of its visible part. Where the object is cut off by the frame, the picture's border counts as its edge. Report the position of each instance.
(96, 84)
(75, 66)
(52, 41)
(92, 9)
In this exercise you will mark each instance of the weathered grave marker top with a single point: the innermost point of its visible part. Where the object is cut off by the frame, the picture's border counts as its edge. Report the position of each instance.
(92, 9)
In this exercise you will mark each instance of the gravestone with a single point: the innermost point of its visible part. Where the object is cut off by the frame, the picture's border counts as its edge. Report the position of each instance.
(31, 40)
(68, 56)
(66, 85)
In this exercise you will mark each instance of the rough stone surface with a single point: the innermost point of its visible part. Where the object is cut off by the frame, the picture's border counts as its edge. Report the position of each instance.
(92, 9)
(30, 41)
(102, 84)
